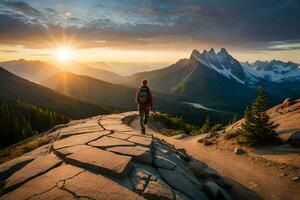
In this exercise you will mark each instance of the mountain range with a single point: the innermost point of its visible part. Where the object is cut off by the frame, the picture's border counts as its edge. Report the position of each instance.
(13, 87)
(121, 97)
(210, 79)
(218, 80)
(38, 71)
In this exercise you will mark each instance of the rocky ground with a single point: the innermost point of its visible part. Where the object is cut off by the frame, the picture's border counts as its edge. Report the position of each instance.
(103, 158)
(265, 172)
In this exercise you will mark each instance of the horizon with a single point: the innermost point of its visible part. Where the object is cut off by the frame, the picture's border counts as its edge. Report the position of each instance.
(146, 31)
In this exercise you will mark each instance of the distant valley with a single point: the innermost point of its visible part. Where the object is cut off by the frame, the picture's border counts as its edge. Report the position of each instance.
(214, 80)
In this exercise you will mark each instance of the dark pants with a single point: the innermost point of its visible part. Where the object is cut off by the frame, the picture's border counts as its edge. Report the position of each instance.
(144, 114)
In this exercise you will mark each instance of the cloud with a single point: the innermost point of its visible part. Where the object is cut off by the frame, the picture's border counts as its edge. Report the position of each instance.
(22, 7)
(168, 24)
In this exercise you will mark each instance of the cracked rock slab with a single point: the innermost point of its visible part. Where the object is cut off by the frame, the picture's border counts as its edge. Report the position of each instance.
(215, 191)
(106, 142)
(102, 161)
(141, 140)
(37, 167)
(118, 128)
(43, 183)
(136, 133)
(162, 162)
(106, 122)
(79, 139)
(120, 135)
(71, 132)
(201, 170)
(182, 184)
(139, 153)
(14, 165)
(72, 149)
(139, 179)
(94, 186)
(42, 150)
(55, 193)
(158, 190)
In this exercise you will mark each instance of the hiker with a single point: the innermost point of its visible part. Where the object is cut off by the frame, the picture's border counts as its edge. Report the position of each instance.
(143, 98)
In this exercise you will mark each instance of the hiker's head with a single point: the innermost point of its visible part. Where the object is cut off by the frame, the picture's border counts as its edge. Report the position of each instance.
(144, 82)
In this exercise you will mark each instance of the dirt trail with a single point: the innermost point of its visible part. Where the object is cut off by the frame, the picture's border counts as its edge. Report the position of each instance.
(250, 180)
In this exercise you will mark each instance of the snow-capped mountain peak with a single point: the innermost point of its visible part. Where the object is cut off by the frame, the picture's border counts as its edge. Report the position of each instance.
(247, 73)
(275, 71)
(221, 62)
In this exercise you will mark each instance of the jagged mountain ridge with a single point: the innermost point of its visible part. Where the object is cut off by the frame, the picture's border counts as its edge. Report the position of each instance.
(218, 80)
(274, 71)
(247, 73)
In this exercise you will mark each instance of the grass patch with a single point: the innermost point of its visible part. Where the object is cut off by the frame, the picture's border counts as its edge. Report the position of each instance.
(176, 125)
(172, 125)
(230, 135)
(9, 153)
(1, 188)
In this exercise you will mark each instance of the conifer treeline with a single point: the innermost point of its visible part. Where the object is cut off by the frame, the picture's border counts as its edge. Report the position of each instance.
(19, 120)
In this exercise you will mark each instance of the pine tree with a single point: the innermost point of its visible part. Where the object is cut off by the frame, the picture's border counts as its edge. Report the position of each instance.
(206, 126)
(257, 125)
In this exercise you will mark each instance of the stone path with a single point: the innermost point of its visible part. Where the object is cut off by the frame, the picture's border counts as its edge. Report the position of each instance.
(103, 158)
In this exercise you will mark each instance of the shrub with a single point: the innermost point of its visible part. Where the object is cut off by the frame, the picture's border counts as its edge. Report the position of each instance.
(230, 134)
(216, 127)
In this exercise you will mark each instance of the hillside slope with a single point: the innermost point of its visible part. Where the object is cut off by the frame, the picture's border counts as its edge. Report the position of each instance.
(192, 81)
(14, 87)
(103, 158)
(286, 114)
(35, 71)
(219, 81)
(119, 96)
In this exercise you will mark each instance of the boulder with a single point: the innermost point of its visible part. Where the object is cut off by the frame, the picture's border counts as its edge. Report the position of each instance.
(163, 162)
(139, 179)
(182, 184)
(201, 170)
(294, 139)
(287, 102)
(239, 151)
(158, 190)
(208, 142)
(183, 155)
(215, 191)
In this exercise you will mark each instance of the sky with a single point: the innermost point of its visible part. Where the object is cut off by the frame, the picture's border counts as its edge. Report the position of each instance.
(149, 31)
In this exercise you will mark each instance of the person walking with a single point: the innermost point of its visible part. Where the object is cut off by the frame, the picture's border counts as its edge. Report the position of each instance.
(144, 99)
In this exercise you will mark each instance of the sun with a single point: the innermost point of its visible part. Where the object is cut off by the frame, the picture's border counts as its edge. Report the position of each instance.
(63, 54)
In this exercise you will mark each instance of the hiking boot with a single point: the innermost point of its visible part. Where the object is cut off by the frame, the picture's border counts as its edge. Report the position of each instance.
(143, 130)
